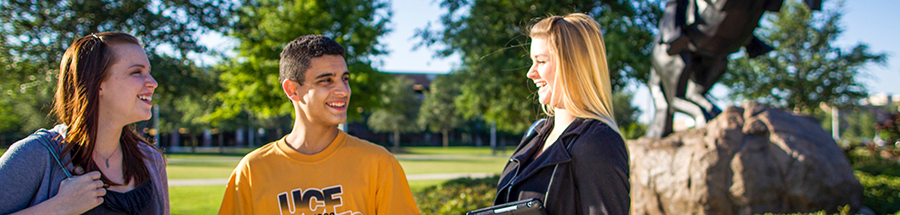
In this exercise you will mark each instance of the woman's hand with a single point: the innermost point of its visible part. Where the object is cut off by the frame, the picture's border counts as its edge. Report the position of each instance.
(80, 193)
(76, 195)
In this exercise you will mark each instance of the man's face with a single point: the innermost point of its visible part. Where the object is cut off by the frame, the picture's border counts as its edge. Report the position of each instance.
(325, 95)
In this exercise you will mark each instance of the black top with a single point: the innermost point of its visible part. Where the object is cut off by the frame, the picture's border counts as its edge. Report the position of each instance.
(532, 164)
(135, 201)
(584, 172)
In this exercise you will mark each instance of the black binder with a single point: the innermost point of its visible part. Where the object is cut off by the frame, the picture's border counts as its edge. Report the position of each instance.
(523, 207)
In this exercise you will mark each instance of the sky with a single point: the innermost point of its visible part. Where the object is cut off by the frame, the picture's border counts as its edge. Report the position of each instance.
(871, 22)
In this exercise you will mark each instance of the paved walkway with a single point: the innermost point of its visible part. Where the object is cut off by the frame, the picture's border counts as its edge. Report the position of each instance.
(413, 177)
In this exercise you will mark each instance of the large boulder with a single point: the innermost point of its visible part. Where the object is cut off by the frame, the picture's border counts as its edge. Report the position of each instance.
(747, 160)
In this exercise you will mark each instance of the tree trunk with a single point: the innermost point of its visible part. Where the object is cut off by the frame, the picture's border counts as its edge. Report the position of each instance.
(493, 137)
(193, 143)
(396, 142)
(445, 137)
(221, 142)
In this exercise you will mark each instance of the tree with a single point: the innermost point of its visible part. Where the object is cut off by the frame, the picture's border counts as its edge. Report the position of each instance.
(195, 87)
(860, 124)
(36, 33)
(857, 124)
(400, 110)
(263, 27)
(490, 37)
(805, 69)
(438, 112)
(627, 115)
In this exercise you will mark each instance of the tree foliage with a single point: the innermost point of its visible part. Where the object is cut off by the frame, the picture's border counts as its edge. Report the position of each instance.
(859, 124)
(438, 114)
(627, 115)
(805, 68)
(401, 109)
(194, 89)
(36, 33)
(264, 27)
(490, 37)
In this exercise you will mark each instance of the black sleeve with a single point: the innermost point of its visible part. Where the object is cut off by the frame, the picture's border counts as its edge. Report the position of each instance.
(601, 171)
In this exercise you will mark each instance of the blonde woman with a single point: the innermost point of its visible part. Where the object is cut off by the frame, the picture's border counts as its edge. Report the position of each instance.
(575, 161)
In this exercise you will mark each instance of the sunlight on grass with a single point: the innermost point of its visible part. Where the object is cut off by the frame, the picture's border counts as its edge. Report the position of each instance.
(237, 156)
(196, 166)
(196, 199)
(190, 171)
(471, 159)
(494, 165)
(419, 185)
(456, 150)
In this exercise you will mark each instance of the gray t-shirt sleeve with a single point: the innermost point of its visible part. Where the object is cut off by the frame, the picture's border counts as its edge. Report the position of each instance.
(22, 170)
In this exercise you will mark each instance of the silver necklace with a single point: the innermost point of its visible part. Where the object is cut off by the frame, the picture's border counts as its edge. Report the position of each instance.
(110, 155)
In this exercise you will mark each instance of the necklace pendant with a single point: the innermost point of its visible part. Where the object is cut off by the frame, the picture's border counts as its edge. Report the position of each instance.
(107, 163)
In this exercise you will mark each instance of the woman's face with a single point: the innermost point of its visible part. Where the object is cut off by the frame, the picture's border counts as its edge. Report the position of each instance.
(543, 70)
(127, 91)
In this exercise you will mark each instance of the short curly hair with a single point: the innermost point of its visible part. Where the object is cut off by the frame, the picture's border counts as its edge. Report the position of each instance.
(296, 56)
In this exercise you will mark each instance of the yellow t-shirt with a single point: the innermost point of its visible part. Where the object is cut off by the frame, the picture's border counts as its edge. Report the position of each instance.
(351, 176)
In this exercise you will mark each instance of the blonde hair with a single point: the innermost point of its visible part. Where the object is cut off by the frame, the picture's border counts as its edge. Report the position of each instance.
(582, 73)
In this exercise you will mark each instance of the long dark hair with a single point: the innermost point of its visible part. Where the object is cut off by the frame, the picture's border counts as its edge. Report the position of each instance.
(77, 104)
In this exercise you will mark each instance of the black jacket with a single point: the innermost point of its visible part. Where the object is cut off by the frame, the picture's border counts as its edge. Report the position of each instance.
(590, 177)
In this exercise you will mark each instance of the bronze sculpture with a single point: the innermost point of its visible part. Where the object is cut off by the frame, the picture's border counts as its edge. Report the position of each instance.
(691, 54)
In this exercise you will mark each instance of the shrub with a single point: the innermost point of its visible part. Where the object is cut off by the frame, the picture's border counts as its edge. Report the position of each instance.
(458, 196)
(882, 192)
(878, 171)
(843, 210)
(868, 159)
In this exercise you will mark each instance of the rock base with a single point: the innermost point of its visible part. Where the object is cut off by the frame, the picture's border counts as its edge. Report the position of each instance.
(747, 160)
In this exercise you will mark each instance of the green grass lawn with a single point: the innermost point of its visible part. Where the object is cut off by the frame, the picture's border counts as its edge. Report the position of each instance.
(2, 151)
(198, 170)
(457, 150)
(418, 160)
(419, 185)
(186, 169)
(494, 165)
(196, 199)
(196, 166)
(471, 159)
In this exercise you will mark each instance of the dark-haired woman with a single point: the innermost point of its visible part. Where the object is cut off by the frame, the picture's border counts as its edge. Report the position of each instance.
(94, 162)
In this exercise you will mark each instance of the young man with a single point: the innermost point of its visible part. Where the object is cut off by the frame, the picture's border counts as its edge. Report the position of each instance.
(318, 169)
